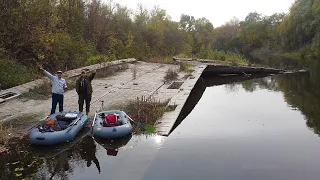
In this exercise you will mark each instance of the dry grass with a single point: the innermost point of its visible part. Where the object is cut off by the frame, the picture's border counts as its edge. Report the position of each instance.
(171, 75)
(144, 110)
(5, 133)
(134, 72)
(40, 92)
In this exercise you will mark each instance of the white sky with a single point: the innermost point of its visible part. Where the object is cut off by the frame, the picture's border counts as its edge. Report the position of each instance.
(217, 11)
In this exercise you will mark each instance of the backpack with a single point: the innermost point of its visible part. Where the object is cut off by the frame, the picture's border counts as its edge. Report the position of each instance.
(49, 125)
(110, 120)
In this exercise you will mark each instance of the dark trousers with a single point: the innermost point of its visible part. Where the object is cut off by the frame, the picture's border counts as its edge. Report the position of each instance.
(82, 98)
(56, 98)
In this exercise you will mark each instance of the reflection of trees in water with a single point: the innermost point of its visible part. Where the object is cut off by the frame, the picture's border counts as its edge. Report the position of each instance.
(60, 166)
(262, 83)
(253, 84)
(52, 165)
(19, 157)
(232, 87)
(301, 91)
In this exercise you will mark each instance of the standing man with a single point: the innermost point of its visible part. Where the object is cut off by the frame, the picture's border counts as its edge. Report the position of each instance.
(84, 90)
(58, 86)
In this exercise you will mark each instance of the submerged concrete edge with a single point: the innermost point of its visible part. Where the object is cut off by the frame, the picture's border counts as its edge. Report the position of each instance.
(164, 125)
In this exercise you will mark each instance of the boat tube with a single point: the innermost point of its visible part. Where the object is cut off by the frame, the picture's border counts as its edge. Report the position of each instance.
(124, 127)
(66, 126)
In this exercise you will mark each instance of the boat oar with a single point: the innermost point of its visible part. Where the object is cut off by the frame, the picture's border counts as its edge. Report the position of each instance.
(74, 123)
(32, 127)
(133, 122)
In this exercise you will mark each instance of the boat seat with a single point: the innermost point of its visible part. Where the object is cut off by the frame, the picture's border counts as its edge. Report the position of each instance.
(63, 124)
(63, 118)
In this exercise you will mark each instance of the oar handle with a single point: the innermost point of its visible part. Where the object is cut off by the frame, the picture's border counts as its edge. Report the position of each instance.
(72, 125)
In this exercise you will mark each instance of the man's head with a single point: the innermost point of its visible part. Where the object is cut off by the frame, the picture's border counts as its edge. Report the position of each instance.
(59, 74)
(83, 74)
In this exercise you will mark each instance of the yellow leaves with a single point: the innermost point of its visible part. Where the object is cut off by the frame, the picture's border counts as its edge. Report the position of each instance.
(251, 38)
(130, 40)
(316, 7)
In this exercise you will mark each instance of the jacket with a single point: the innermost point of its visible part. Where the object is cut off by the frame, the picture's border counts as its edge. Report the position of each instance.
(88, 83)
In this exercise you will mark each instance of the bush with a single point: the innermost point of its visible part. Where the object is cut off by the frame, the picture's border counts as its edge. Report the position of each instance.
(12, 73)
(186, 67)
(171, 75)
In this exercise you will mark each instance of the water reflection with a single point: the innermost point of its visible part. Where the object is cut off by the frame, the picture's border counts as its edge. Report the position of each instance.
(300, 90)
(88, 152)
(113, 146)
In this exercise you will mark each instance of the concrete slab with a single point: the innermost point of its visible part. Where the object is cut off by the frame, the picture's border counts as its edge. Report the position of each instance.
(164, 125)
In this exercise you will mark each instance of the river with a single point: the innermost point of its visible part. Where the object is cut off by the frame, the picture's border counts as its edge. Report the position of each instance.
(258, 129)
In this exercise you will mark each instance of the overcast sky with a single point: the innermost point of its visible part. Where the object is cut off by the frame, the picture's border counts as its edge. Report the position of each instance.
(217, 11)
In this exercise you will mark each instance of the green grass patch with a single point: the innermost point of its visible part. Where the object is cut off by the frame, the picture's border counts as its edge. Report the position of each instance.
(186, 67)
(292, 55)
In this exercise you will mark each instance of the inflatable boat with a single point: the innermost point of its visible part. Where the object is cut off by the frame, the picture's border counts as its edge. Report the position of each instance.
(123, 128)
(58, 128)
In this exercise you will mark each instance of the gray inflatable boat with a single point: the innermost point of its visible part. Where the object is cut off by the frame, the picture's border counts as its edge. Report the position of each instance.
(67, 126)
(123, 129)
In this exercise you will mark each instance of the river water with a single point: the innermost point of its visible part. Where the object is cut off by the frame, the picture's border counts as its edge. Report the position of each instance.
(258, 129)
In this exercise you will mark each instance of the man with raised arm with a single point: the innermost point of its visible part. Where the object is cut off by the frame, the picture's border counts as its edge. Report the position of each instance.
(84, 90)
(58, 86)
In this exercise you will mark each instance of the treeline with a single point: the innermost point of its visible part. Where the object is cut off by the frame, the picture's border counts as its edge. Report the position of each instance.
(297, 34)
(65, 34)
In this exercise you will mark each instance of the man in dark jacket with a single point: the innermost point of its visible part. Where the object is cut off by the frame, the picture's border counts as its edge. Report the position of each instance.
(84, 90)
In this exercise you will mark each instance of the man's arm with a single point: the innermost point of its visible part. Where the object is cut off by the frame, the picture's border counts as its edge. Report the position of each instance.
(92, 75)
(65, 84)
(77, 86)
(49, 75)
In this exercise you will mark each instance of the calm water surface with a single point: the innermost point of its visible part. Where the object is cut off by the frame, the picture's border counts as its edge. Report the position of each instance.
(260, 129)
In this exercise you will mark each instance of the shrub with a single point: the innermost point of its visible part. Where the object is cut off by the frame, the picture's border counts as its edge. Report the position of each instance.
(12, 73)
(171, 75)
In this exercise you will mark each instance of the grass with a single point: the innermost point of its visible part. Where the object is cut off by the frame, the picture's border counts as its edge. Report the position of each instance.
(228, 58)
(186, 67)
(145, 111)
(170, 108)
(165, 60)
(4, 133)
(292, 55)
(40, 92)
(171, 75)
(134, 72)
